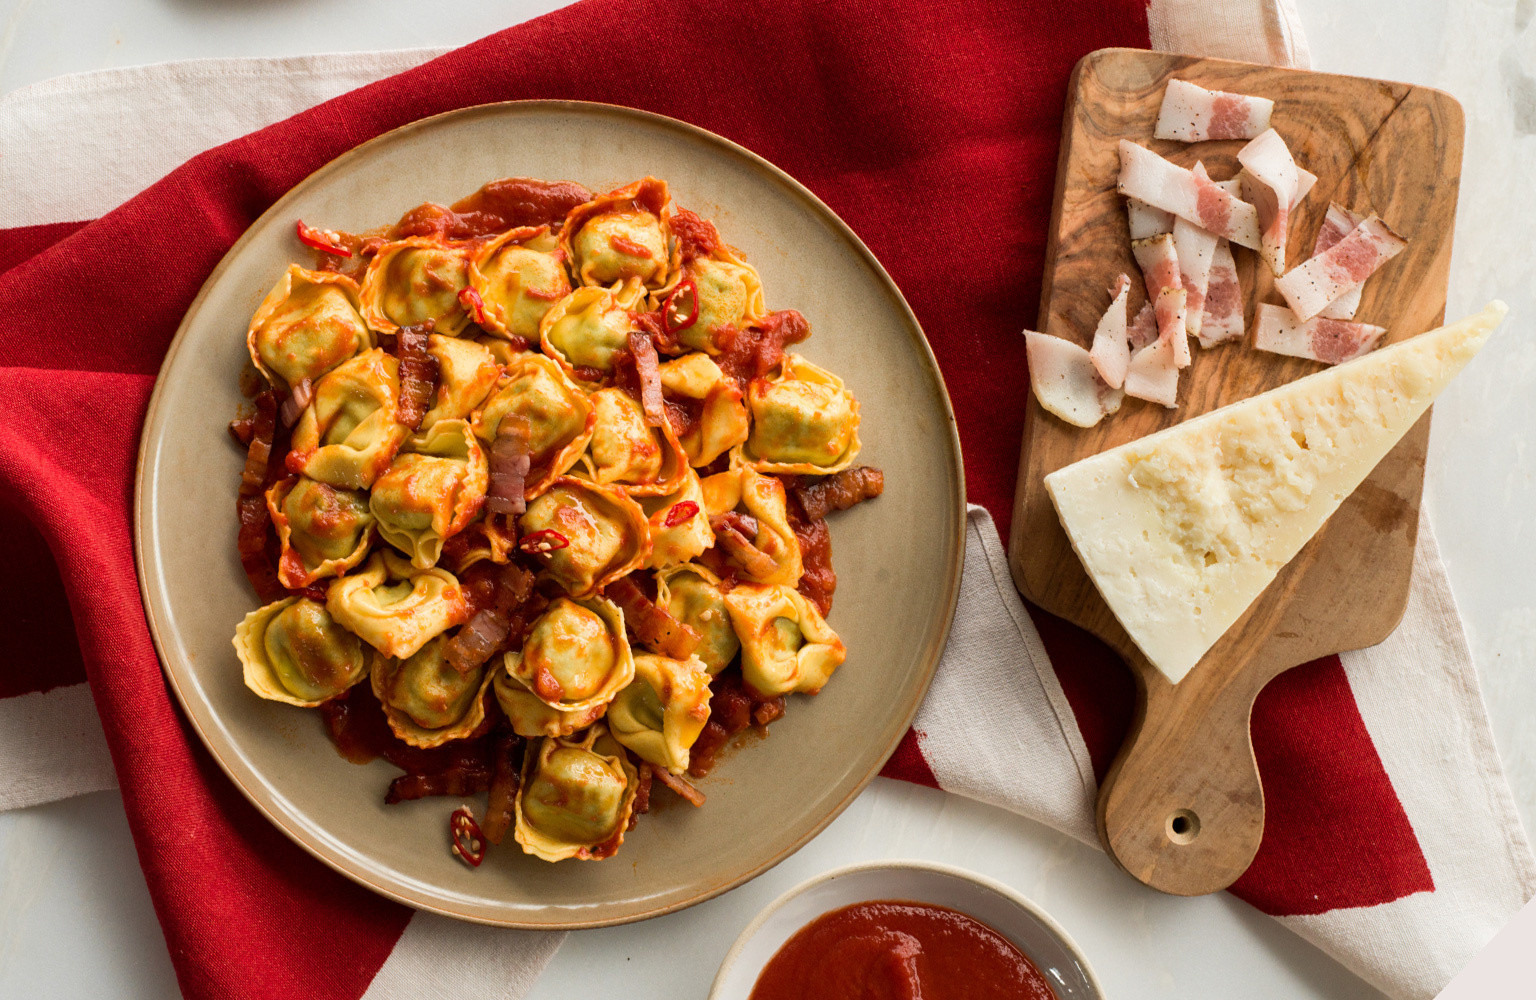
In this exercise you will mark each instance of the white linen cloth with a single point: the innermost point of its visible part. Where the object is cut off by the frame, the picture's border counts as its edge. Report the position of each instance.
(75, 147)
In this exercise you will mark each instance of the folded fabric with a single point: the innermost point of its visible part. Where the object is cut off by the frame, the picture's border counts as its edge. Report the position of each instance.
(1360, 856)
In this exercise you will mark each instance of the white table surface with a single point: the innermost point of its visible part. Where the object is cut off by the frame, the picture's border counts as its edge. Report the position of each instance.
(75, 917)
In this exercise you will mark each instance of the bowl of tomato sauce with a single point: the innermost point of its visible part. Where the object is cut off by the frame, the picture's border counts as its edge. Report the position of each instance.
(894, 930)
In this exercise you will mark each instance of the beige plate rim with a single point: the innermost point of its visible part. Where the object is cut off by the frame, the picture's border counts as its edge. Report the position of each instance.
(200, 715)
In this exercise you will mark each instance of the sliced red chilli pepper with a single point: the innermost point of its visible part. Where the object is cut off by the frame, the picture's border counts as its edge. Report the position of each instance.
(540, 542)
(468, 841)
(680, 512)
(326, 240)
(473, 304)
(680, 310)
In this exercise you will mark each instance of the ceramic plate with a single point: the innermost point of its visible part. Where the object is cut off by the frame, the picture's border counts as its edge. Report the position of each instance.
(897, 558)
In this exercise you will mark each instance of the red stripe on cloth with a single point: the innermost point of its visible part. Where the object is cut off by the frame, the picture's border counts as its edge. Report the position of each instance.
(1335, 833)
(932, 125)
(37, 647)
(908, 762)
(22, 242)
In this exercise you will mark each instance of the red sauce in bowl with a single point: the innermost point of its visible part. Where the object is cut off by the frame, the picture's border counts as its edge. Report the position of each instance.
(892, 950)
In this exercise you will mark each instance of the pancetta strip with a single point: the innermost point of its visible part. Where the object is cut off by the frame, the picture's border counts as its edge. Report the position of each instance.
(1143, 329)
(510, 460)
(1309, 287)
(1196, 248)
(1111, 350)
(1146, 176)
(1277, 330)
(1194, 114)
(1066, 382)
(681, 786)
(1159, 263)
(418, 375)
(1270, 181)
(1145, 221)
(840, 491)
(647, 372)
(1222, 317)
(1337, 225)
(653, 626)
(1153, 376)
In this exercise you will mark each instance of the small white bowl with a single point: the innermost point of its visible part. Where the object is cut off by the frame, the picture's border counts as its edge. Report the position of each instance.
(1039, 937)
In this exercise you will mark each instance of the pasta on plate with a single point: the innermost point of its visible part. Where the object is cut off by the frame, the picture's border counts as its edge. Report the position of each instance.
(541, 471)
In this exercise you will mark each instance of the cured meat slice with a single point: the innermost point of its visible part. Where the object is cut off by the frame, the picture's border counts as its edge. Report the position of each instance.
(1222, 318)
(1270, 180)
(1153, 376)
(1309, 287)
(1159, 263)
(1146, 221)
(1194, 114)
(1196, 249)
(1111, 350)
(1143, 329)
(1148, 177)
(1065, 381)
(1337, 225)
(1277, 330)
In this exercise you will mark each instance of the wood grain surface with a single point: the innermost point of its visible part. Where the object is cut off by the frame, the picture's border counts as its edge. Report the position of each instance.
(1182, 808)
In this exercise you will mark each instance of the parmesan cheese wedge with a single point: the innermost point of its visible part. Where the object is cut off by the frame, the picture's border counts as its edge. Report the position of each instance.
(1182, 530)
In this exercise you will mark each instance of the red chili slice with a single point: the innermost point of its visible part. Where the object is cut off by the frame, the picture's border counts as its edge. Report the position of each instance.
(680, 512)
(468, 841)
(540, 542)
(473, 304)
(680, 310)
(327, 240)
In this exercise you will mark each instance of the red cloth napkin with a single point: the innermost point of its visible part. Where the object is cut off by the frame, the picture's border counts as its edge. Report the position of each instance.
(923, 125)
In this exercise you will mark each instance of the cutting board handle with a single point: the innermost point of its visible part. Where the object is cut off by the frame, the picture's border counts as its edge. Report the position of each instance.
(1182, 808)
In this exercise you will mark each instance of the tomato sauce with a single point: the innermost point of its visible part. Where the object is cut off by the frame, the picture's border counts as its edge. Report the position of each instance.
(893, 950)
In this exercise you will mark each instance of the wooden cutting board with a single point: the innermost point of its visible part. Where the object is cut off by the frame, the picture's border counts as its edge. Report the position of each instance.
(1182, 809)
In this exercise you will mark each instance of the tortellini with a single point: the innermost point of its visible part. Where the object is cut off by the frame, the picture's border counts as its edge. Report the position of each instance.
(785, 643)
(584, 331)
(676, 535)
(427, 700)
(661, 713)
(519, 278)
(307, 325)
(394, 607)
(576, 797)
(722, 422)
(292, 651)
(729, 295)
(625, 451)
(531, 717)
(803, 421)
(619, 240)
(324, 531)
(348, 434)
(691, 594)
(434, 487)
(416, 280)
(764, 499)
(559, 417)
(466, 373)
(576, 657)
(605, 533)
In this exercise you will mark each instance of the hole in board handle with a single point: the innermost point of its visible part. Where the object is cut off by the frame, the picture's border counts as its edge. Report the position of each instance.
(1183, 826)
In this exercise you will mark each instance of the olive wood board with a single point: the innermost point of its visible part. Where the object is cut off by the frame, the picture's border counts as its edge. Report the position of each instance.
(1182, 807)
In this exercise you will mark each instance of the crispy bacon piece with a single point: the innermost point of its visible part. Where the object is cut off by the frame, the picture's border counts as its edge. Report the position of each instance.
(839, 491)
(487, 630)
(1222, 316)
(1148, 177)
(696, 237)
(1190, 113)
(1065, 381)
(1331, 341)
(468, 777)
(243, 428)
(256, 541)
(680, 785)
(297, 400)
(506, 775)
(510, 460)
(1310, 287)
(418, 374)
(1111, 350)
(653, 626)
(734, 533)
(643, 350)
(754, 352)
(642, 795)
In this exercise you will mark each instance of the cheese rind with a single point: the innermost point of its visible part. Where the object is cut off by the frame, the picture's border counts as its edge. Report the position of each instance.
(1182, 530)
